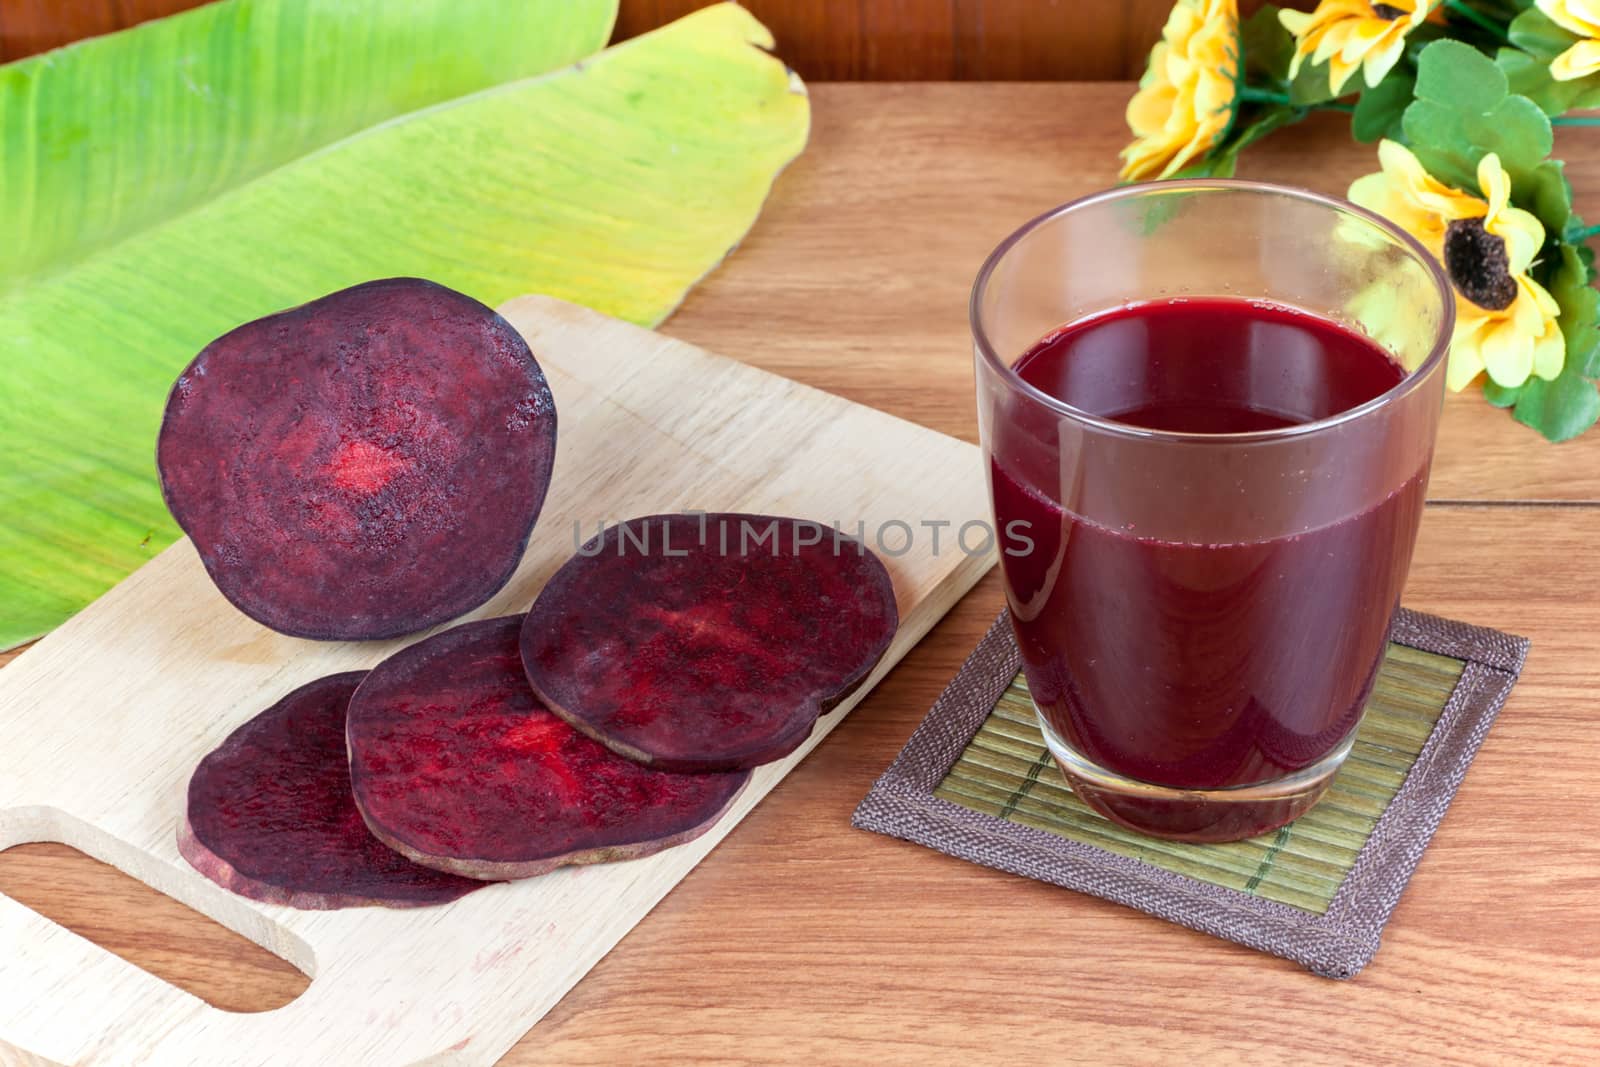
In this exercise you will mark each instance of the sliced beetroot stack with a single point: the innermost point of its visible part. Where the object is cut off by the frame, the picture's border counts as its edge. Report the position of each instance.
(456, 765)
(270, 814)
(363, 466)
(694, 647)
(708, 642)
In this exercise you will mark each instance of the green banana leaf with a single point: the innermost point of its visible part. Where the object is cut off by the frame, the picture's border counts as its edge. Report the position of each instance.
(116, 133)
(616, 183)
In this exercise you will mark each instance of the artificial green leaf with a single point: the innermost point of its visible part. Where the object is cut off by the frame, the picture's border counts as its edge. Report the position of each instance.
(1523, 72)
(1516, 130)
(1580, 308)
(1379, 109)
(1463, 111)
(1259, 123)
(1565, 407)
(1501, 396)
(1218, 165)
(1535, 33)
(1569, 284)
(1442, 151)
(1547, 193)
(117, 133)
(1530, 76)
(1213, 165)
(1560, 409)
(1310, 85)
(1268, 47)
(1537, 40)
(617, 183)
(1460, 75)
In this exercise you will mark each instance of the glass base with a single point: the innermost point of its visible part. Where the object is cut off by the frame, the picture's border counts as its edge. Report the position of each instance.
(1202, 815)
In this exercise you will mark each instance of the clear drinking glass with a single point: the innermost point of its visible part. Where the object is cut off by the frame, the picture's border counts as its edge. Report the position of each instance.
(1202, 615)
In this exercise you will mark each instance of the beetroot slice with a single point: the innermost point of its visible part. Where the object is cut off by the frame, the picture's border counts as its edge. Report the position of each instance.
(363, 466)
(270, 814)
(456, 765)
(681, 642)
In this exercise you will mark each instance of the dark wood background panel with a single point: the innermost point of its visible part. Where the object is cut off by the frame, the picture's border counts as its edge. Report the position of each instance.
(940, 40)
(29, 26)
(825, 40)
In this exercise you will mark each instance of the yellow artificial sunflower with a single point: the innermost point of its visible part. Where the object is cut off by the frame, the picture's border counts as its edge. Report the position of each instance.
(1186, 97)
(1505, 321)
(1352, 35)
(1582, 19)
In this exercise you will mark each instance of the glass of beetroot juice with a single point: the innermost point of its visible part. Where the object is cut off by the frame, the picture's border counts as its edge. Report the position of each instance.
(1208, 413)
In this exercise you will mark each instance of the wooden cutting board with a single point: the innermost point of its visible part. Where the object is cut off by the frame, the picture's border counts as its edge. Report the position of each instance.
(102, 722)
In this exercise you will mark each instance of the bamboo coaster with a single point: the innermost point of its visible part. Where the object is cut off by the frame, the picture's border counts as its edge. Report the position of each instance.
(976, 782)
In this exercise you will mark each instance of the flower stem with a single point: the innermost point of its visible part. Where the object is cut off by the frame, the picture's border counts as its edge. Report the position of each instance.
(1583, 234)
(1250, 95)
(1471, 14)
(1576, 120)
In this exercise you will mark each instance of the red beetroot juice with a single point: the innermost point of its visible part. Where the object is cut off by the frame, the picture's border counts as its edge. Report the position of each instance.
(1204, 666)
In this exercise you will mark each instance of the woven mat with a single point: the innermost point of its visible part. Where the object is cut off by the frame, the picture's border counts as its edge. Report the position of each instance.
(976, 782)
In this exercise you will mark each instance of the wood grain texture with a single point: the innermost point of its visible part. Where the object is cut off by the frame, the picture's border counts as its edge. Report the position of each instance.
(149, 929)
(1057, 40)
(826, 40)
(106, 717)
(944, 40)
(802, 941)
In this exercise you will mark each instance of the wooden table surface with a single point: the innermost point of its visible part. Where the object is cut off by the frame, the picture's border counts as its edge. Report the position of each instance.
(802, 940)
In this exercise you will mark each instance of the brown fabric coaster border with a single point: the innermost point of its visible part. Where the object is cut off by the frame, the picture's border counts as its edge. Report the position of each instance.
(1337, 944)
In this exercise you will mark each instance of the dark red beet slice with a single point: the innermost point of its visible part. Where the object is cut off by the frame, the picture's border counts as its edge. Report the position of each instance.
(270, 815)
(456, 765)
(362, 466)
(693, 652)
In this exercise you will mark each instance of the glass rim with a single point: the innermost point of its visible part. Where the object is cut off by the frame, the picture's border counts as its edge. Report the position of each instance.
(1412, 380)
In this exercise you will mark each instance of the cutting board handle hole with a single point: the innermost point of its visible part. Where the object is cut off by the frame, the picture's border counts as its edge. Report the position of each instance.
(195, 953)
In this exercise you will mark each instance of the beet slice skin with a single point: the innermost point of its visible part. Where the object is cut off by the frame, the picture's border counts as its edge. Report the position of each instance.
(270, 815)
(455, 764)
(363, 466)
(681, 642)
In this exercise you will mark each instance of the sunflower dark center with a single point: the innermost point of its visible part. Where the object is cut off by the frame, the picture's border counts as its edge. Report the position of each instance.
(1476, 261)
(1388, 12)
